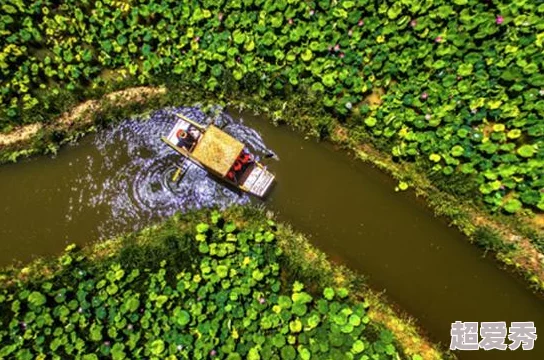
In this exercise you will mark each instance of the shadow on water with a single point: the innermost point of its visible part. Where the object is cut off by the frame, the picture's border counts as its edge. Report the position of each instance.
(119, 180)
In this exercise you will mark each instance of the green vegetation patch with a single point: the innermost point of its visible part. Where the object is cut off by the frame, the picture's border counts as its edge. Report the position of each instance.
(221, 291)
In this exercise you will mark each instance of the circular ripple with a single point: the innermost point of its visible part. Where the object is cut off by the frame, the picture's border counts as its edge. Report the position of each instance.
(133, 175)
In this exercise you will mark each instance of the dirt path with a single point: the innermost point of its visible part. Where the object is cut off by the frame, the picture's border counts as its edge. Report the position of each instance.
(81, 114)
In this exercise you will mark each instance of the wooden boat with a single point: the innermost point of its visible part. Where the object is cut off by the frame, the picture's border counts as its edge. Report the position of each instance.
(221, 155)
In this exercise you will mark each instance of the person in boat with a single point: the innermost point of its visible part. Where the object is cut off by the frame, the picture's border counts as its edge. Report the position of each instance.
(240, 165)
(185, 139)
(194, 132)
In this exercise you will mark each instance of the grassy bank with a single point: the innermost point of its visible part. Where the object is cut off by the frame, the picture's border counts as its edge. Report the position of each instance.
(200, 285)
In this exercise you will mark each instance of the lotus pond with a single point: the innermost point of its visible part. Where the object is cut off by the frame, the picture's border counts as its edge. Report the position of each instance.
(462, 81)
(184, 289)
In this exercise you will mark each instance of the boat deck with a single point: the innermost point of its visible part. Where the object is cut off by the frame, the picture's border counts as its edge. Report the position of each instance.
(217, 150)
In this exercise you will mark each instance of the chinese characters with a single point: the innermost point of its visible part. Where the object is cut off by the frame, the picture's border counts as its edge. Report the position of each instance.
(464, 335)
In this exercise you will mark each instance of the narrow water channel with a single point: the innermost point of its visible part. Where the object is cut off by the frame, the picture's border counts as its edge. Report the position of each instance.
(120, 180)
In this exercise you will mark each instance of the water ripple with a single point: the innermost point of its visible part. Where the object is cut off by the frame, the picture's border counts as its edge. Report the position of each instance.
(132, 177)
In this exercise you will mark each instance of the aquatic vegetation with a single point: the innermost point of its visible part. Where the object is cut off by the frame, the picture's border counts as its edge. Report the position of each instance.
(219, 292)
(463, 79)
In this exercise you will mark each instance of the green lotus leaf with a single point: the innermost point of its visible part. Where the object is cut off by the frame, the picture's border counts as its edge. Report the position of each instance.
(295, 326)
(526, 150)
(249, 45)
(306, 55)
(467, 168)
(36, 299)
(457, 150)
(181, 317)
(96, 332)
(540, 204)
(329, 80)
(465, 69)
(117, 352)
(513, 205)
(395, 10)
(435, 158)
(288, 353)
(257, 275)
(342, 293)
(370, 121)
(90, 357)
(222, 271)
(202, 228)
(160, 300)
(230, 227)
(299, 309)
(253, 354)
(284, 302)
(157, 347)
(328, 293)
(301, 297)
(499, 127)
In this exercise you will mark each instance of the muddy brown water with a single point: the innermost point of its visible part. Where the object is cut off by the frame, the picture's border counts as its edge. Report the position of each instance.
(119, 180)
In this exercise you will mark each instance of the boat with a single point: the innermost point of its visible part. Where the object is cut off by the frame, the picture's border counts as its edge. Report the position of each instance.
(219, 153)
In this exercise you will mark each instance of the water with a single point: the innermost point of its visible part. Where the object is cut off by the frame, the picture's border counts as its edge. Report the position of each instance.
(120, 180)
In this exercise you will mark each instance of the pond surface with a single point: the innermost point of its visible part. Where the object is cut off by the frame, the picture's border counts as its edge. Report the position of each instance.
(120, 180)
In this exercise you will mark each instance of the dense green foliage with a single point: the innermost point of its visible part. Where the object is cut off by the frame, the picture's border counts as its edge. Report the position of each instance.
(463, 79)
(225, 296)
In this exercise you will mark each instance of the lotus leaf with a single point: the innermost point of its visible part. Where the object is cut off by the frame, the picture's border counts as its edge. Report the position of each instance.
(157, 347)
(36, 299)
(513, 205)
(526, 151)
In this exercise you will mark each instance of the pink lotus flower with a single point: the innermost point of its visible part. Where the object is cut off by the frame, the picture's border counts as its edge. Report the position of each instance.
(424, 96)
(361, 22)
(197, 39)
(213, 353)
(413, 23)
(341, 55)
(459, 77)
(312, 12)
(290, 21)
(262, 300)
(499, 20)
(336, 47)
(220, 16)
(438, 39)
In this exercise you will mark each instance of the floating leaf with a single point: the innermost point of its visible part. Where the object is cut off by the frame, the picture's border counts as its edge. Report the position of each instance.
(526, 151)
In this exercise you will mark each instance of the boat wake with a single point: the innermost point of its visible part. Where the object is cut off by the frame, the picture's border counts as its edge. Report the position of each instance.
(133, 176)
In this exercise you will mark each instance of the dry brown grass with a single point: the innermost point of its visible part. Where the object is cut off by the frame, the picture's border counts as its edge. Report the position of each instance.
(20, 134)
(82, 113)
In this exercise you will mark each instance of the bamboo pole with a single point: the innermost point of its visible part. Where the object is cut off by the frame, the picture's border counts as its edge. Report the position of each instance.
(195, 124)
